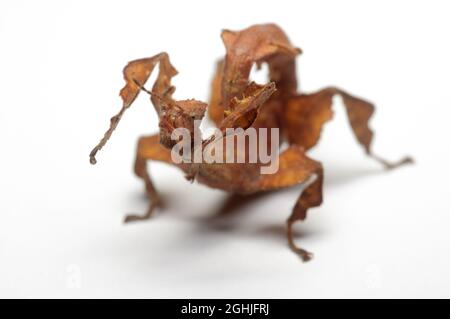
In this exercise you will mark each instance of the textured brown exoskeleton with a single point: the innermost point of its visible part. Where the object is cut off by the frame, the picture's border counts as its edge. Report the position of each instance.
(238, 103)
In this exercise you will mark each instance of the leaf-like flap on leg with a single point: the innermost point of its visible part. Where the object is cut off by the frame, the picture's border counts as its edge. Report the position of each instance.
(359, 113)
(307, 113)
(136, 73)
(305, 116)
(140, 70)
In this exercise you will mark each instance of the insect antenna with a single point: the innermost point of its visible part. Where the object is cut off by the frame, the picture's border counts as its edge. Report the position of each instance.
(159, 97)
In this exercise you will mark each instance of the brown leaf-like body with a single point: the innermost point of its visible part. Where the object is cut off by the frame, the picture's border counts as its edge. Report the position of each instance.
(237, 102)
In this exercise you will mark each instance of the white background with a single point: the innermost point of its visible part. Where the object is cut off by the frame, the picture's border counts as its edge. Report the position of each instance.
(377, 234)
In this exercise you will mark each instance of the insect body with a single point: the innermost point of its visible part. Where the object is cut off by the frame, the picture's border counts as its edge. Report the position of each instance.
(238, 103)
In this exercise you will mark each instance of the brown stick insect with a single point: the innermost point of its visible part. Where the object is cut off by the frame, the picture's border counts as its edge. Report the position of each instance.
(237, 103)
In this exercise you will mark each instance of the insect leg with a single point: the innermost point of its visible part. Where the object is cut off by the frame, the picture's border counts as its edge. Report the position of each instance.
(296, 168)
(148, 149)
(307, 113)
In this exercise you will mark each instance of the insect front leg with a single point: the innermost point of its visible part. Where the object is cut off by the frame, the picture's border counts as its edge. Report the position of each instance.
(148, 148)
